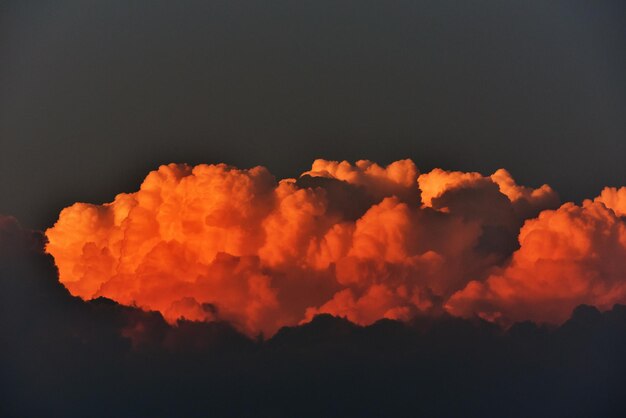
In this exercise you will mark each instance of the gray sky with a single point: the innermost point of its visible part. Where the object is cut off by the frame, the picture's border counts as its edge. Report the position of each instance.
(94, 94)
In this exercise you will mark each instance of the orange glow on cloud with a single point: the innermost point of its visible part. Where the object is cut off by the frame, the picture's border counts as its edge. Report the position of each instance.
(357, 240)
(568, 256)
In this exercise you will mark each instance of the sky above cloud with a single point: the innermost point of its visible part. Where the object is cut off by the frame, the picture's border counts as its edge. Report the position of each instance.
(93, 95)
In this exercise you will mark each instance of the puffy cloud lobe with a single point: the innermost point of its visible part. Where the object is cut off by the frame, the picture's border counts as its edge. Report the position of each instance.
(614, 199)
(397, 179)
(438, 182)
(214, 242)
(569, 256)
(526, 202)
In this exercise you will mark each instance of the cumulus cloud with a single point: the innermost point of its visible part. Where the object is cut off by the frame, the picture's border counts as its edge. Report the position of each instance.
(569, 256)
(397, 179)
(213, 242)
(614, 199)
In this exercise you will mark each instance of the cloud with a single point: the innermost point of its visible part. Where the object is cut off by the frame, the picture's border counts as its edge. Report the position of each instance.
(397, 179)
(568, 256)
(214, 242)
(614, 199)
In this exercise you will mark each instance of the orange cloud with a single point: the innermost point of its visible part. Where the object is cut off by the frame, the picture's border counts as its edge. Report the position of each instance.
(567, 257)
(213, 242)
(614, 199)
(397, 179)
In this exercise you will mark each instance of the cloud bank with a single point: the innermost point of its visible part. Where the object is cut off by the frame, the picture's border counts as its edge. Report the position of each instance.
(361, 241)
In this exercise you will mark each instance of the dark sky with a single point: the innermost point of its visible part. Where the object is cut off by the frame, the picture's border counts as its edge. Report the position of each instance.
(93, 94)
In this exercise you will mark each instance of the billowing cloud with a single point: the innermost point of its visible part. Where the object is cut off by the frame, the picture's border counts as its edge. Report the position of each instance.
(614, 199)
(397, 179)
(569, 256)
(213, 242)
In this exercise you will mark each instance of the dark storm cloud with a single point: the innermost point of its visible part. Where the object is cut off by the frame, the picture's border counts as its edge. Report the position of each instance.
(88, 85)
(60, 356)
